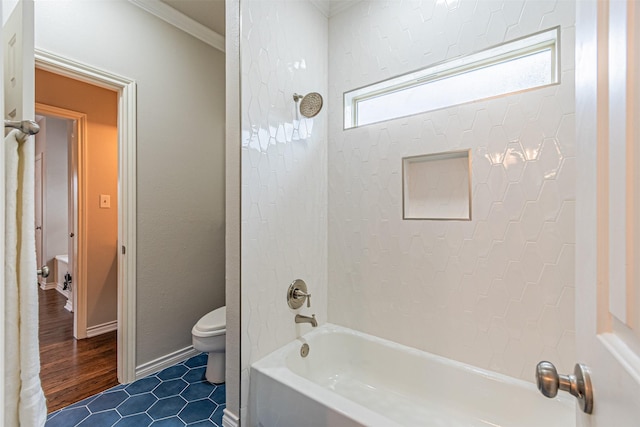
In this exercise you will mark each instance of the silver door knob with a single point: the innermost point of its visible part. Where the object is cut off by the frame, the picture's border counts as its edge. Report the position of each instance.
(578, 384)
(44, 271)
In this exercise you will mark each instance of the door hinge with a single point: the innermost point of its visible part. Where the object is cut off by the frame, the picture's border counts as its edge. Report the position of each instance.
(124, 250)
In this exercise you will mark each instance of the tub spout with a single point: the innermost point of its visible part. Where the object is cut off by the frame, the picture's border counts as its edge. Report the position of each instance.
(306, 319)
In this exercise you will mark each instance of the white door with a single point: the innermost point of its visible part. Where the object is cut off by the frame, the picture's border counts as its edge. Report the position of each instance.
(18, 89)
(19, 63)
(608, 207)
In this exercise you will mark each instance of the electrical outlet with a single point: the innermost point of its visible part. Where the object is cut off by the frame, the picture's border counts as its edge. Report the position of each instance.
(105, 201)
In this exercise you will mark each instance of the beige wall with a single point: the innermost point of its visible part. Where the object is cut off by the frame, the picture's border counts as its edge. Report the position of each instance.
(101, 108)
(180, 85)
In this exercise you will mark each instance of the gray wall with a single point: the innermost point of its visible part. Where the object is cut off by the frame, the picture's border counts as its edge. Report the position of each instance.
(180, 155)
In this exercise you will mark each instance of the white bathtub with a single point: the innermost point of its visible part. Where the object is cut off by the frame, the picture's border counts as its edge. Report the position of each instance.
(353, 379)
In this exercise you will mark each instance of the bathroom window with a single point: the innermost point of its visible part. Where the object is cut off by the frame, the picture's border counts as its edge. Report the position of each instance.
(526, 63)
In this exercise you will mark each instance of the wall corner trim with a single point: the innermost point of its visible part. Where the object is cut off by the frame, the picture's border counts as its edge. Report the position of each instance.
(229, 419)
(182, 22)
(165, 361)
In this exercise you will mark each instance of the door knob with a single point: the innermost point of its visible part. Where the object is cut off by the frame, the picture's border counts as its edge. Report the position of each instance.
(71, 234)
(44, 271)
(578, 384)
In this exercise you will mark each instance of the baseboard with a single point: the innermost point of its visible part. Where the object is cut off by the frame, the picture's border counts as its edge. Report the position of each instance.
(60, 288)
(165, 361)
(229, 419)
(93, 331)
(45, 286)
(69, 306)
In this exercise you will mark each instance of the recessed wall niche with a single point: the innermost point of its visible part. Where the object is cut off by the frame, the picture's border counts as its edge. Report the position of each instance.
(437, 186)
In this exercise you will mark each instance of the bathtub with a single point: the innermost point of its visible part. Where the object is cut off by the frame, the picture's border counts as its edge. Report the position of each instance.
(353, 379)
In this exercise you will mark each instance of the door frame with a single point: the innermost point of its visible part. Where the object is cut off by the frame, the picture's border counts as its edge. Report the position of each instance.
(126, 89)
(2, 215)
(79, 167)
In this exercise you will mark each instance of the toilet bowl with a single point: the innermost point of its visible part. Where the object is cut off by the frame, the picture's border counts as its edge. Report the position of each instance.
(209, 335)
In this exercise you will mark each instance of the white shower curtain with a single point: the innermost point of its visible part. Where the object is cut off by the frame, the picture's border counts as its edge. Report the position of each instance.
(24, 399)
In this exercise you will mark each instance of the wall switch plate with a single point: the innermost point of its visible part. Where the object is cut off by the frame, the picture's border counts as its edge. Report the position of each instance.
(105, 201)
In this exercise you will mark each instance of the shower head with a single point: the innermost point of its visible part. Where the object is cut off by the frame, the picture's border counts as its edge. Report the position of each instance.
(310, 104)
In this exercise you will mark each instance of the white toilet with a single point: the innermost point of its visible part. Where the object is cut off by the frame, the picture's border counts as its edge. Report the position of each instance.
(209, 336)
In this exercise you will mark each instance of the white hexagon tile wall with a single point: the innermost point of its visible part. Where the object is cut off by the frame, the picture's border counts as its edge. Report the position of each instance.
(325, 205)
(284, 173)
(498, 291)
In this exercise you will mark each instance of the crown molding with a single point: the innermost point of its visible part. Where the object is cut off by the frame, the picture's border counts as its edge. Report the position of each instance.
(182, 22)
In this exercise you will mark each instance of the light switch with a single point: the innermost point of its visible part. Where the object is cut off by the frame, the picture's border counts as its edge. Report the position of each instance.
(105, 201)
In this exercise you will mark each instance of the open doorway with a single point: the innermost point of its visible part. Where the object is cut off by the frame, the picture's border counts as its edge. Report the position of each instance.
(79, 244)
(53, 212)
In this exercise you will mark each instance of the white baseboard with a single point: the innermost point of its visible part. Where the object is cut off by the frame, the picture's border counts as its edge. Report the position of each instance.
(60, 288)
(93, 331)
(165, 361)
(229, 419)
(45, 286)
(69, 307)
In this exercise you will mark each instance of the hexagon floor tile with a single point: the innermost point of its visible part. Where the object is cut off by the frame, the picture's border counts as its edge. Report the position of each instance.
(177, 396)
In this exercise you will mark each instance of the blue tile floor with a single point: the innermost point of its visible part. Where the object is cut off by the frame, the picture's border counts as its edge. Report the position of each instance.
(174, 397)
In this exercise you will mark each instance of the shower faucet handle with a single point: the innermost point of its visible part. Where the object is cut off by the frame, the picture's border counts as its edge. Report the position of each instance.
(297, 294)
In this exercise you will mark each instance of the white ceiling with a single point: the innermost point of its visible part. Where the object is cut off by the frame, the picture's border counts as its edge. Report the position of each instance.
(209, 13)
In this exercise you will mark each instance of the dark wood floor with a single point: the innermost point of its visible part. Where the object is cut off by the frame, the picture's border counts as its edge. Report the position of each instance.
(71, 369)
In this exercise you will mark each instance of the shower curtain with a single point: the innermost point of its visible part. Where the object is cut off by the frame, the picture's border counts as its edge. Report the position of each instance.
(24, 399)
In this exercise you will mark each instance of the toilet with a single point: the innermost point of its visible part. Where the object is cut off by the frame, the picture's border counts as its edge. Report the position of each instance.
(209, 335)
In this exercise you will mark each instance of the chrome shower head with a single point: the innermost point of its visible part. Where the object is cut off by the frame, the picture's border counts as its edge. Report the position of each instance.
(310, 104)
